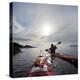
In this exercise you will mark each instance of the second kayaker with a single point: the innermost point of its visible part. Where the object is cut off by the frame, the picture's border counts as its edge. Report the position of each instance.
(52, 51)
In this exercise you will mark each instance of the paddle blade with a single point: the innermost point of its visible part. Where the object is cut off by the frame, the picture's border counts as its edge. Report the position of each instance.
(59, 42)
(46, 49)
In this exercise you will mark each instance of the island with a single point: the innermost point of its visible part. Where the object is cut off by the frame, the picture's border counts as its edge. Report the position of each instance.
(28, 46)
(15, 48)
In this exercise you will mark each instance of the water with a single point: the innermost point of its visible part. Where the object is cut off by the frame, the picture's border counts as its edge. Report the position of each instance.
(23, 61)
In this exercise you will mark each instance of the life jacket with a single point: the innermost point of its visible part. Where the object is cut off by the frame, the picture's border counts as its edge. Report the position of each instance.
(52, 49)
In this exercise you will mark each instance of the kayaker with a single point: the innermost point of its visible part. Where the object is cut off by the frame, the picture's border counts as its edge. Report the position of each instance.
(52, 51)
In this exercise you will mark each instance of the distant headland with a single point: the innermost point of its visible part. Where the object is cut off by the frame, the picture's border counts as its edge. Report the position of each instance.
(16, 47)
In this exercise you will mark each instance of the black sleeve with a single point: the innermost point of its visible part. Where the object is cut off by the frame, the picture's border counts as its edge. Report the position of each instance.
(55, 47)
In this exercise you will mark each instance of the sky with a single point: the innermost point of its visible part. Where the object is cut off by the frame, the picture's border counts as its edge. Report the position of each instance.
(44, 23)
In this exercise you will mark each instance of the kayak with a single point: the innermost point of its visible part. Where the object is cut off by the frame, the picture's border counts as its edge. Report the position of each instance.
(42, 66)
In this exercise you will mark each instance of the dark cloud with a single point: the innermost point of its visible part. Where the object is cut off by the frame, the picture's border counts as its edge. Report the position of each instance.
(22, 39)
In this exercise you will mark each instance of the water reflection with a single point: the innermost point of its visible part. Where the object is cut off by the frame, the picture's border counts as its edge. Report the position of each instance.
(23, 61)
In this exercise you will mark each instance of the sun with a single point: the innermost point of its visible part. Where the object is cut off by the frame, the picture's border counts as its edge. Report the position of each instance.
(46, 30)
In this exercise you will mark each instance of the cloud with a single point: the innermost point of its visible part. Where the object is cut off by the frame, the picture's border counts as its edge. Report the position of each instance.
(22, 39)
(21, 33)
(16, 26)
(28, 20)
(66, 33)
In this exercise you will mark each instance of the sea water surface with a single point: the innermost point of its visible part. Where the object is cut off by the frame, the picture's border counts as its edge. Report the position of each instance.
(22, 61)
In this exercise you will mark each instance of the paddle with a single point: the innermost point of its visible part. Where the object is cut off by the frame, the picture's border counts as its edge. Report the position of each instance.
(58, 43)
(55, 45)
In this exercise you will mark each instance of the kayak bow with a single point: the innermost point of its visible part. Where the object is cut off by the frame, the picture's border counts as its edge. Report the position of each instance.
(41, 67)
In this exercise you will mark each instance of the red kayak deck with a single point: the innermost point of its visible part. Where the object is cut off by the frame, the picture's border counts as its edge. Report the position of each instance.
(49, 71)
(41, 73)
